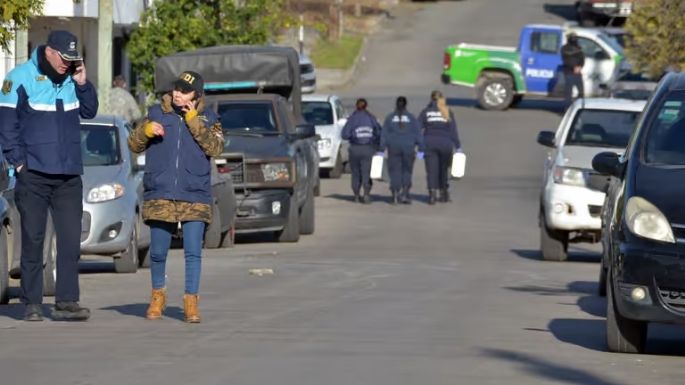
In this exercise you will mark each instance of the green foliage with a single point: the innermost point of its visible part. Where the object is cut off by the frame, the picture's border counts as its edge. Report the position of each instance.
(172, 26)
(339, 54)
(656, 36)
(15, 14)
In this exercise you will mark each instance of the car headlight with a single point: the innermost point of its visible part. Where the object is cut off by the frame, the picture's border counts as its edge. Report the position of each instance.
(569, 176)
(647, 221)
(105, 192)
(325, 143)
(276, 172)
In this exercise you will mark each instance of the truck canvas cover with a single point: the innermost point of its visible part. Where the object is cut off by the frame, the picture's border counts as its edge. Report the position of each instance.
(237, 69)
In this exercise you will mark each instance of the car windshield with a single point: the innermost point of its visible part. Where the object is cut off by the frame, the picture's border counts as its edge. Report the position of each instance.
(253, 117)
(99, 145)
(602, 128)
(317, 113)
(665, 141)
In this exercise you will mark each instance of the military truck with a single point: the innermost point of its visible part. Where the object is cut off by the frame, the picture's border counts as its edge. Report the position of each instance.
(270, 152)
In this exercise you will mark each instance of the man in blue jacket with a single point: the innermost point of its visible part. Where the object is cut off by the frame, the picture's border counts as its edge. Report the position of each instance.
(40, 133)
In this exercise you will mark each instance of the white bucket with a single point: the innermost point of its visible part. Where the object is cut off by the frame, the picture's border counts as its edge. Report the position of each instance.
(377, 167)
(458, 165)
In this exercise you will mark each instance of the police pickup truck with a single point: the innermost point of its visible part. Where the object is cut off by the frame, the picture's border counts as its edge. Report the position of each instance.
(502, 76)
(270, 152)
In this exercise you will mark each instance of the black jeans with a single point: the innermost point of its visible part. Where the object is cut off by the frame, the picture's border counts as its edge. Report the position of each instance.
(571, 80)
(360, 165)
(400, 166)
(36, 193)
(438, 159)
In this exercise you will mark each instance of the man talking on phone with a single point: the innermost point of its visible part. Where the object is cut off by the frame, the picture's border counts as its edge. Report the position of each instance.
(41, 102)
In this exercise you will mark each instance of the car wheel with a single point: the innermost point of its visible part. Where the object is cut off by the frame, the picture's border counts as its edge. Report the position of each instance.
(553, 243)
(307, 216)
(144, 257)
(623, 335)
(49, 259)
(291, 230)
(213, 233)
(4, 266)
(337, 170)
(128, 261)
(495, 93)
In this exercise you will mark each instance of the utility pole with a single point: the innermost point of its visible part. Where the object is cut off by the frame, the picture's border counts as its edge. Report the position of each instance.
(21, 46)
(105, 21)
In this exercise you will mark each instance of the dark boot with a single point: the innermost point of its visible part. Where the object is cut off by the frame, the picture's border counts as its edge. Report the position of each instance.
(70, 311)
(395, 198)
(444, 195)
(33, 313)
(366, 199)
(405, 198)
(357, 198)
(431, 196)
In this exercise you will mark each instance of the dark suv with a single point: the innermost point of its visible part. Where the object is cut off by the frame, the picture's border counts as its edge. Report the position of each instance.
(643, 265)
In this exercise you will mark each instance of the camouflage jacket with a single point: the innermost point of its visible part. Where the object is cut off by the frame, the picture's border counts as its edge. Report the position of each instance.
(209, 139)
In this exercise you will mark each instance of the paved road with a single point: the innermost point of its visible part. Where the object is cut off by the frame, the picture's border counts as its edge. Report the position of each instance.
(451, 294)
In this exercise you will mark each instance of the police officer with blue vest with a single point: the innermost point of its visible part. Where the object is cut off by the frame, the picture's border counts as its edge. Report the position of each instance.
(363, 132)
(41, 102)
(441, 140)
(401, 136)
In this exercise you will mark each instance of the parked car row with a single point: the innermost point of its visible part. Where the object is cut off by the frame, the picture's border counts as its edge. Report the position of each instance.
(613, 176)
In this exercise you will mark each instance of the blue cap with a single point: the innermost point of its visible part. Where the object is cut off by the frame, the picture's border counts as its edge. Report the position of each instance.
(65, 43)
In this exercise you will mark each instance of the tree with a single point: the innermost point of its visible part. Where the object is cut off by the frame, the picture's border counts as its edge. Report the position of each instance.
(172, 26)
(15, 15)
(656, 36)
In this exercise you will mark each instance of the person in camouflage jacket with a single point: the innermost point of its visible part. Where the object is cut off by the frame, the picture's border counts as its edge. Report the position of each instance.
(179, 136)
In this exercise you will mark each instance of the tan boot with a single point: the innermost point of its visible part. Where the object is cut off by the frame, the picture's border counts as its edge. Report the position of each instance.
(190, 308)
(157, 304)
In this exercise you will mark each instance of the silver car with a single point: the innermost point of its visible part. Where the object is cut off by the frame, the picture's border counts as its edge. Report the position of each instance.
(112, 195)
(308, 75)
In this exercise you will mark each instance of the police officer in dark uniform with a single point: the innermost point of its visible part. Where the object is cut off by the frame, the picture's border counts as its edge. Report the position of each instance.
(440, 142)
(400, 136)
(362, 130)
(573, 60)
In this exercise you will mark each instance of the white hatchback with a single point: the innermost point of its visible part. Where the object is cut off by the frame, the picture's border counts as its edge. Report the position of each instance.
(573, 194)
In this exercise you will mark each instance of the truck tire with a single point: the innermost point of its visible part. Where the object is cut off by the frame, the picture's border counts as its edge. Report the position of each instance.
(307, 216)
(213, 233)
(495, 92)
(602, 287)
(4, 266)
(49, 259)
(291, 230)
(128, 261)
(623, 335)
(553, 243)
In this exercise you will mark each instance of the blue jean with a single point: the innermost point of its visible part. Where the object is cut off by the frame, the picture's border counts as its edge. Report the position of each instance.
(161, 233)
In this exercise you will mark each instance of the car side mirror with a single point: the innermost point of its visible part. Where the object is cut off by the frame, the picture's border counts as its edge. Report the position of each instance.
(607, 163)
(342, 122)
(305, 130)
(139, 163)
(546, 138)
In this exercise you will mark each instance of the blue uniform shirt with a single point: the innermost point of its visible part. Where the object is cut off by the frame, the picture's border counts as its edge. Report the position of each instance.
(39, 120)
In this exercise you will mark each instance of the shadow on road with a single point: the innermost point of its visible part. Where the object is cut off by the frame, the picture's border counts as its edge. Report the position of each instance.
(586, 333)
(16, 311)
(548, 369)
(375, 198)
(139, 309)
(577, 287)
(565, 11)
(574, 255)
(551, 105)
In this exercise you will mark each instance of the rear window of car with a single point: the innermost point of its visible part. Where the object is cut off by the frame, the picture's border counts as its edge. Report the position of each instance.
(255, 116)
(602, 128)
(317, 113)
(99, 145)
(665, 140)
